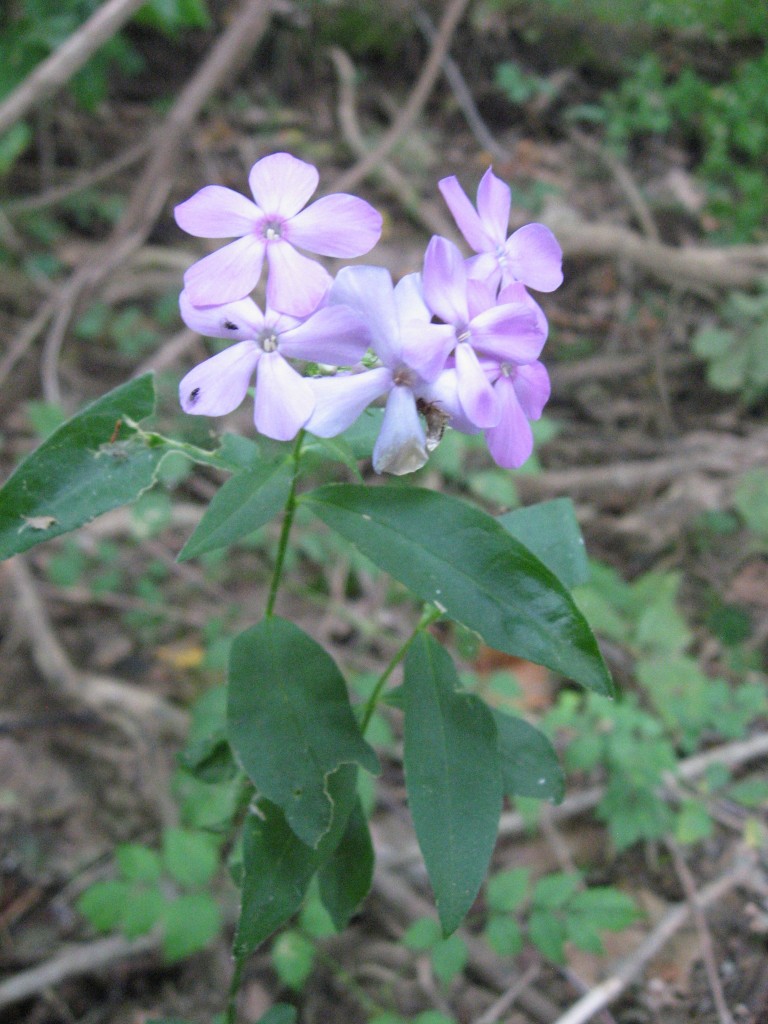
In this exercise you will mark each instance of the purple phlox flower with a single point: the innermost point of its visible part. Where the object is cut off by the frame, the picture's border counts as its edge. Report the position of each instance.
(513, 330)
(531, 254)
(522, 393)
(271, 226)
(412, 351)
(284, 399)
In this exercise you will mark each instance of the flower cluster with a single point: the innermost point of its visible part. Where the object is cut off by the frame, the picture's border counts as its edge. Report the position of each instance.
(456, 344)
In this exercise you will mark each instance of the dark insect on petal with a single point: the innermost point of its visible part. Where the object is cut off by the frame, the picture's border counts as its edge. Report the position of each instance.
(230, 326)
(194, 395)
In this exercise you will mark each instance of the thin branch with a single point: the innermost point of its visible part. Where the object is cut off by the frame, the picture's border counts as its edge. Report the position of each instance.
(419, 94)
(56, 70)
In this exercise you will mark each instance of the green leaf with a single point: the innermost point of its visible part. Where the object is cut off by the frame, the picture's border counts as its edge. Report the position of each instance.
(606, 908)
(693, 823)
(281, 1013)
(245, 502)
(192, 858)
(346, 877)
(551, 531)
(293, 957)
(138, 863)
(508, 889)
(751, 500)
(103, 903)
(548, 933)
(423, 934)
(143, 910)
(191, 922)
(453, 778)
(278, 867)
(470, 567)
(449, 958)
(503, 935)
(529, 764)
(92, 463)
(555, 890)
(291, 723)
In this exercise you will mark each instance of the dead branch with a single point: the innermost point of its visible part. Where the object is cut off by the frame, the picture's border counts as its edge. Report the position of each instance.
(627, 970)
(419, 94)
(56, 70)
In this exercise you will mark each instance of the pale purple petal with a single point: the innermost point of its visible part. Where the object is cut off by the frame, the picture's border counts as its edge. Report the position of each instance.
(283, 401)
(296, 284)
(445, 282)
(369, 291)
(217, 386)
(480, 296)
(240, 321)
(493, 203)
(409, 300)
(532, 388)
(510, 442)
(516, 292)
(510, 333)
(335, 334)
(340, 400)
(465, 215)
(425, 347)
(401, 446)
(281, 184)
(216, 212)
(476, 395)
(337, 225)
(485, 267)
(534, 257)
(444, 393)
(226, 275)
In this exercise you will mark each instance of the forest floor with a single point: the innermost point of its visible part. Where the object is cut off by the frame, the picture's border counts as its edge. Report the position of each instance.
(646, 447)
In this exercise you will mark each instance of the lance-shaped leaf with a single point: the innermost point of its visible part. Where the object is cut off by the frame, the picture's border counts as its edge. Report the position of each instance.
(278, 867)
(94, 462)
(551, 531)
(346, 876)
(244, 503)
(290, 722)
(453, 778)
(463, 561)
(529, 764)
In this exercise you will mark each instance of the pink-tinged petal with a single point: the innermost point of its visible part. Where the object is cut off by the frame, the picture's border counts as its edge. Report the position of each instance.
(510, 442)
(282, 185)
(340, 400)
(509, 333)
(425, 347)
(337, 225)
(296, 284)
(532, 388)
(486, 268)
(465, 215)
(240, 321)
(516, 292)
(445, 282)
(480, 296)
(409, 300)
(494, 200)
(226, 275)
(369, 291)
(401, 446)
(217, 386)
(217, 212)
(534, 257)
(444, 394)
(336, 335)
(283, 401)
(476, 395)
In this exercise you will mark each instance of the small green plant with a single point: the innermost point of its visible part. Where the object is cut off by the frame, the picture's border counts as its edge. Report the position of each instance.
(737, 353)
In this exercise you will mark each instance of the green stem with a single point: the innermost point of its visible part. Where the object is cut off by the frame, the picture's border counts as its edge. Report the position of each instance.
(230, 1014)
(430, 615)
(290, 512)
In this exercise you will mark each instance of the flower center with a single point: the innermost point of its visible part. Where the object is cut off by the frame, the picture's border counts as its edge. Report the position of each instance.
(463, 335)
(501, 255)
(271, 229)
(403, 377)
(267, 340)
(508, 370)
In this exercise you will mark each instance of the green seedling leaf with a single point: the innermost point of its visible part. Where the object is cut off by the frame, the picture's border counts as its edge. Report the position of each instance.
(471, 568)
(191, 922)
(449, 958)
(693, 823)
(138, 863)
(508, 890)
(422, 934)
(529, 764)
(104, 903)
(291, 724)
(278, 867)
(548, 933)
(453, 778)
(503, 935)
(144, 908)
(551, 531)
(192, 858)
(555, 890)
(293, 957)
(245, 502)
(751, 500)
(281, 1013)
(346, 877)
